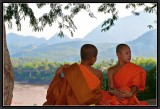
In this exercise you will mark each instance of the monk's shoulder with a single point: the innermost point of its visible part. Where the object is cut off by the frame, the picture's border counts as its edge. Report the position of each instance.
(111, 70)
(99, 72)
(136, 66)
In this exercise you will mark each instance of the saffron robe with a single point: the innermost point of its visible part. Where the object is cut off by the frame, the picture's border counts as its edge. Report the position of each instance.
(78, 87)
(130, 74)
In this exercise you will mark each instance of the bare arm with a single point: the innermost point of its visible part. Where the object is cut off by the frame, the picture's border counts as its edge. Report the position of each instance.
(110, 79)
(110, 75)
(112, 90)
(99, 74)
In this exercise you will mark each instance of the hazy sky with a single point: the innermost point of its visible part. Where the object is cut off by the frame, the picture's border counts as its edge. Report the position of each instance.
(83, 22)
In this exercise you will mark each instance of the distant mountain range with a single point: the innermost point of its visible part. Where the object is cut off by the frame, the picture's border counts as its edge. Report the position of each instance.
(125, 29)
(66, 49)
(17, 43)
(144, 46)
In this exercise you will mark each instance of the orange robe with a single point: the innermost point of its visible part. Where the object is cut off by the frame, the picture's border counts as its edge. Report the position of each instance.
(78, 87)
(130, 74)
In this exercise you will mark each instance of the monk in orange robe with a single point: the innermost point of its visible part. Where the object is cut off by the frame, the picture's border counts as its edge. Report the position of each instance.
(80, 84)
(124, 80)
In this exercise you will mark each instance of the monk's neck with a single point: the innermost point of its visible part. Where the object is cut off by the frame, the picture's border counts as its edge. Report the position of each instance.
(120, 64)
(85, 63)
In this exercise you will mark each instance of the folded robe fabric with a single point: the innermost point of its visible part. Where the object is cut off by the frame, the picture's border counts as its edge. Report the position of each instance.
(130, 74)
(78, 87)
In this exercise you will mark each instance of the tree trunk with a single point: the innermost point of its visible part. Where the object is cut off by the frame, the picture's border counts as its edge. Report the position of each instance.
(8, 76)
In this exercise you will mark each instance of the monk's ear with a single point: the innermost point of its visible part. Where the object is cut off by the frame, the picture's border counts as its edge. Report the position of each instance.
(93, 59)
(118, 54)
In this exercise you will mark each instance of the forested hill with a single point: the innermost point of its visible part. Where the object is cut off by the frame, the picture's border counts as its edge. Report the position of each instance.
(144, 46)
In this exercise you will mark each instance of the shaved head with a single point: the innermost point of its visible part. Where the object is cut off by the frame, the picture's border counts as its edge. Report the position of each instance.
(120, 47)
(88, 51)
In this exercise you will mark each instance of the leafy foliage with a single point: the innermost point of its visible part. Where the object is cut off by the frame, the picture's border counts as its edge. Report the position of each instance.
(19, 11)
(147, 64)
(150, 91)
(110, 8)
(43, 71)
